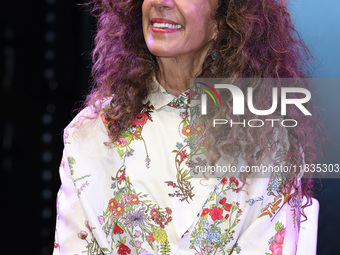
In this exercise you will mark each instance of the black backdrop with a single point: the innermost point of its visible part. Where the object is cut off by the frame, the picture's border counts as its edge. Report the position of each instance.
(45, 72)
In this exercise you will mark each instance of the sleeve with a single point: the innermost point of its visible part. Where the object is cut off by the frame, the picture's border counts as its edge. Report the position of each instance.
(71, 233)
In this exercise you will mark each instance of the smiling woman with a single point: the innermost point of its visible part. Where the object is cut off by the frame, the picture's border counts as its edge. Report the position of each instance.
(179, 50)
(126, 183)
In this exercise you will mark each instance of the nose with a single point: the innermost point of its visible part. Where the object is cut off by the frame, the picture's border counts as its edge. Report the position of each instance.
(163, 4)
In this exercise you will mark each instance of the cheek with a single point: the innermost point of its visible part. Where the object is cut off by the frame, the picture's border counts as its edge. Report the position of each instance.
(145, 15)
(201, 22)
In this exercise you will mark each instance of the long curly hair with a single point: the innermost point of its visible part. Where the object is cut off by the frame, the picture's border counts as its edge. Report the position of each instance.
(254, 39)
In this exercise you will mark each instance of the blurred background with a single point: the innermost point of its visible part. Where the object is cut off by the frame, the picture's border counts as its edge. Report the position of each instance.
(44, 75)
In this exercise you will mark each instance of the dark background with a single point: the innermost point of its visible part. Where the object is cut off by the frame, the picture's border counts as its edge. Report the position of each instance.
(44, 76)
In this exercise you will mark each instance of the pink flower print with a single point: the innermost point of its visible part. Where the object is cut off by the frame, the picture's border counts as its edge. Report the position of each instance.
(138, 233)
(137, 243)
(147, 162)
(280, 235)
(276, 246)
(101, 220)
(122, 141)
(82, 235)
(87, 225)
(183, 115)
(141, 251)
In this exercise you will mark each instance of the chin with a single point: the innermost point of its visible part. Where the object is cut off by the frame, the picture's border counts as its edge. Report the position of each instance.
(162, 52)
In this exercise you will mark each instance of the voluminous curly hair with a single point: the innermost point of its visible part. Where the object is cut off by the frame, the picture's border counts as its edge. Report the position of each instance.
(256, 38)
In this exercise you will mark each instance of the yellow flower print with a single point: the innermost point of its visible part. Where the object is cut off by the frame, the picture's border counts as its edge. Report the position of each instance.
(160, 235)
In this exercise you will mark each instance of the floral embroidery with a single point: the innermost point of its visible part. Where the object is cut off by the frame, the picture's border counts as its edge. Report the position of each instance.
(192, 129)
(92, 245)
(208, 237)
(236, 249)
(252, 201)
(130, 212)
(181, 101)
(276, 184)
(130, 216)
(134, 132)
(276, 242)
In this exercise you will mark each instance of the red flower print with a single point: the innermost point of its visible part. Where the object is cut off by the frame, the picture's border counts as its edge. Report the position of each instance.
(168, 220)
(140, 119)
(198, 129)
(150, 237)
(117, 230)
(239, 211)
(119, 209)
(121, 178)
(183, 154)
(133, 199)
(168, 210)
(216, 213)
(227, 207)
(112, 204)
(205, 211)
(234, 180)
(187, 130)
(82, 235)
(224, 180)
(226, 216)
(223, 200)
(159, 220)
(123, 249)
(154, 213)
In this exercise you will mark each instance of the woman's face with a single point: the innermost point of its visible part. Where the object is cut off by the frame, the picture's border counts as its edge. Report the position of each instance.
(178, 27)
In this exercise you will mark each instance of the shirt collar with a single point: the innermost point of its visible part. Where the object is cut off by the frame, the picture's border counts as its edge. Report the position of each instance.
(159, 97)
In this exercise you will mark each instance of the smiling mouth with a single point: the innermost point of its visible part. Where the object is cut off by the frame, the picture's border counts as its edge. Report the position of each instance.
(166, 25)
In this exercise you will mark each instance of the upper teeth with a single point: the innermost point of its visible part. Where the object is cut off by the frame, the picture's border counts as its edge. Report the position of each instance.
(166, 25)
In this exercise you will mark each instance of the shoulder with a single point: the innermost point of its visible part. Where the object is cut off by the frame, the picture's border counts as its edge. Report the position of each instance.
(87, 123)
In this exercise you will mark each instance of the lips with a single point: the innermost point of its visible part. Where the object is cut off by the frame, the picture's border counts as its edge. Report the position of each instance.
(165, 26)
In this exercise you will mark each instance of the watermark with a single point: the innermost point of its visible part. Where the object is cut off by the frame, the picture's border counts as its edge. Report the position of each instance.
(239, 99)
(265, 170)
(243, 109)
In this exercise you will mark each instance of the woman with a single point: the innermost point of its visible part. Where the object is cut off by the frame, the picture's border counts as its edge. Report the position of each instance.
(126, 187)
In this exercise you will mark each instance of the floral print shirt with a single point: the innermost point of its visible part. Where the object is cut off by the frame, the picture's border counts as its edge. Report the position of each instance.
(135, 195)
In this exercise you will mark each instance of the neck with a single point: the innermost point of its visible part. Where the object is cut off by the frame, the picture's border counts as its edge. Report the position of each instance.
(175, 72)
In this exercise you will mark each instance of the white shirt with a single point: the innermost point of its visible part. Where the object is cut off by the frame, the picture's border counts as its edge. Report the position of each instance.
(134, 195)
